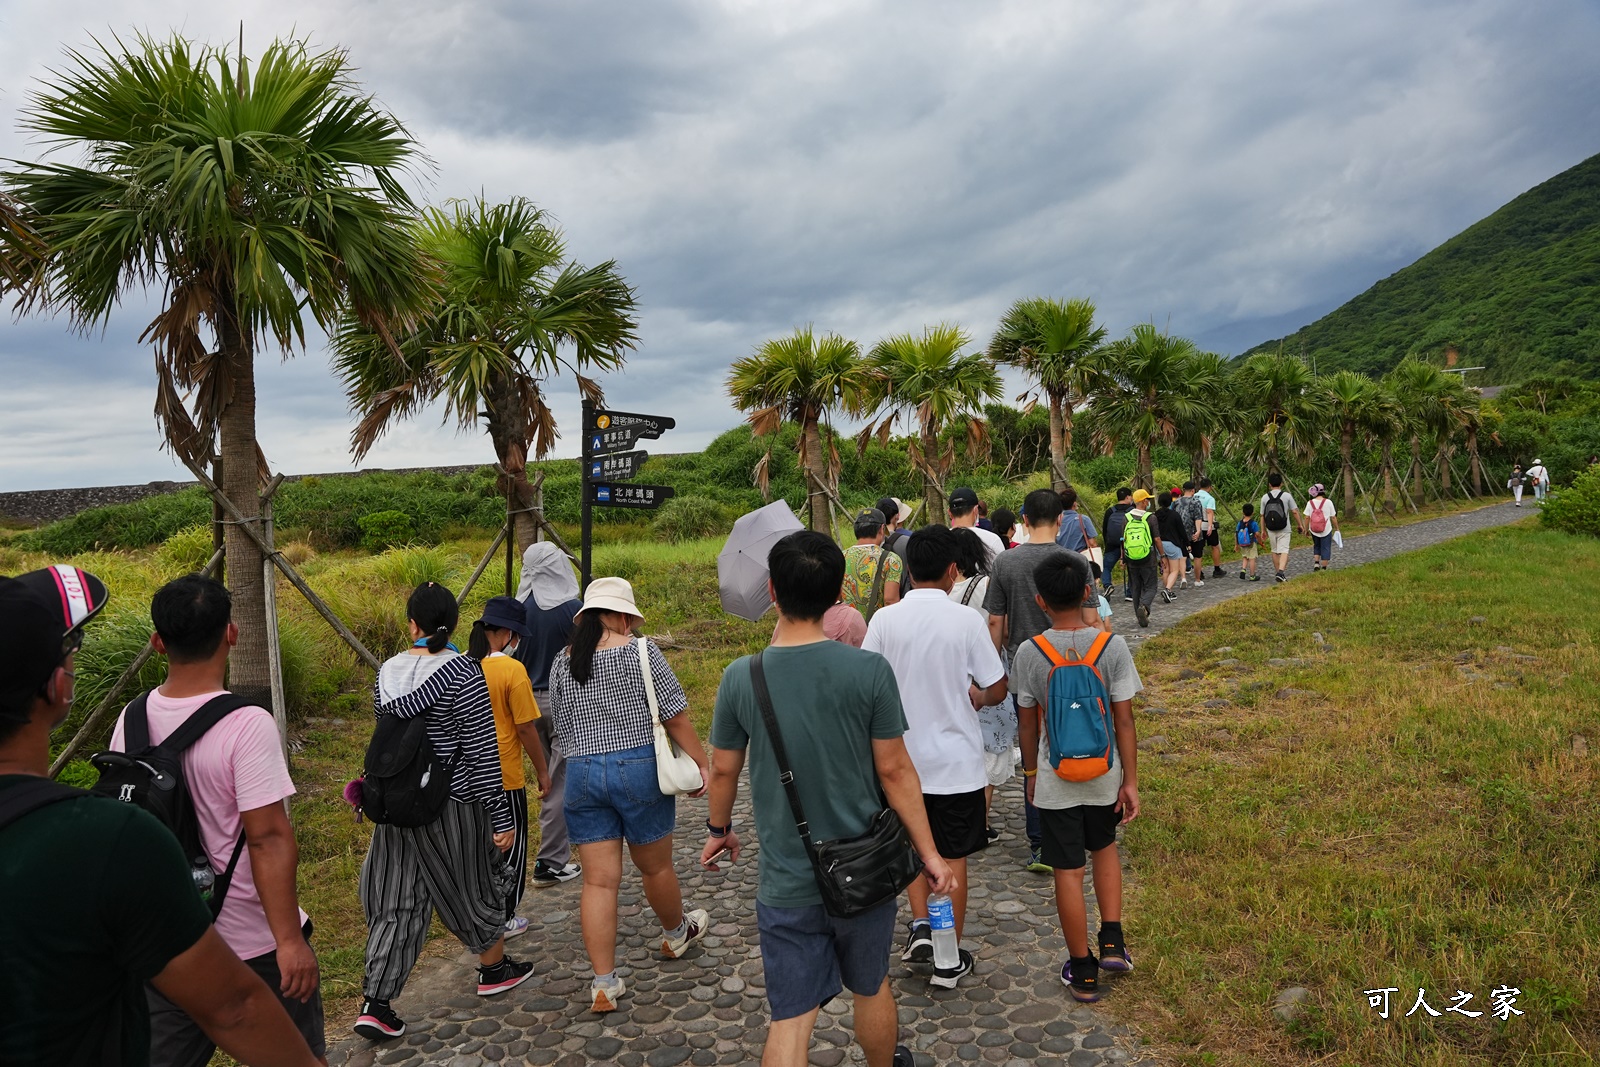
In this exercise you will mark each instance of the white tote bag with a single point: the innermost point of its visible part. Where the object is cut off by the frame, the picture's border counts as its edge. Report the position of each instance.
(676, 771)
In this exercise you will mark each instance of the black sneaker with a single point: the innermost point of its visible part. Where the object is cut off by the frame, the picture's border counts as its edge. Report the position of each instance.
(991, 833)
(1114, 954)
(546, 875)
(1142, 613)
(903, 1057)
(919, 943)
(507, 974)
(1244, 575)
(1082, 979)
(378, 1021)
(947, 977)
(1217, 572)
(1282, 577)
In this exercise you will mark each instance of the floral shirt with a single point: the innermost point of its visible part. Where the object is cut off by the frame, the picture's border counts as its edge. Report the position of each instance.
(861, 571)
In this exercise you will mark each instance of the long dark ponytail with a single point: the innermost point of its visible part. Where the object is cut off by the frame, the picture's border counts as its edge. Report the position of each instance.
(587, 630)
(433, 608)
(478, 642)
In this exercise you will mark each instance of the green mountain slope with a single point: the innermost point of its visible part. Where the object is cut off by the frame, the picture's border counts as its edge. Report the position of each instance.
(1518, 293)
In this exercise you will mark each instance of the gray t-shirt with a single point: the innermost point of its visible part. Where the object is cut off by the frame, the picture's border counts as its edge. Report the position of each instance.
(1030, 681)
(1011, 591)
(1288, 510)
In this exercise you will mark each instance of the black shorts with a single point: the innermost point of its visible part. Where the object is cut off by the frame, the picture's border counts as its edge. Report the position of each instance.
(1211, 538)
(1070, 833)
(958, 822)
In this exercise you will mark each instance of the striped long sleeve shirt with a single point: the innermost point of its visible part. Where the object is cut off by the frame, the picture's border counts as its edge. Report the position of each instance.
(449, 688)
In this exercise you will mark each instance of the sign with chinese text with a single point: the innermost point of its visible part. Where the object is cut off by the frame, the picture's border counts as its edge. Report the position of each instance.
(614, 431)
(619, 495)
(618, 466)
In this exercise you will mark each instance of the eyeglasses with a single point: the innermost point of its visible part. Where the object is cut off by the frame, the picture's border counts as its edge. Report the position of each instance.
(71, 643)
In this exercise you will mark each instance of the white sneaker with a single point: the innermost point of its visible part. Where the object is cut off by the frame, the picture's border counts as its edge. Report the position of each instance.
(603, 996)
(516, 926)
(695, 924)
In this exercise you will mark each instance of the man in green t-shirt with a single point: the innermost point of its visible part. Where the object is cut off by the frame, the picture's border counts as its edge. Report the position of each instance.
(96, 897)
(839, 712)
(872, 574)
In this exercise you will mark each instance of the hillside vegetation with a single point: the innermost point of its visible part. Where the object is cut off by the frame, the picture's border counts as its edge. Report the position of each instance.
(1517, 293)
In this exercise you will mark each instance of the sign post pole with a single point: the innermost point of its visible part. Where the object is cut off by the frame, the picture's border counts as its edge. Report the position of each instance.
(586, 547)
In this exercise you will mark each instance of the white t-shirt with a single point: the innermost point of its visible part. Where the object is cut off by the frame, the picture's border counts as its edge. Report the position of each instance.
(937, 649)
(1325, 506)
(1537, 473)
(978, 588)
(237, 766)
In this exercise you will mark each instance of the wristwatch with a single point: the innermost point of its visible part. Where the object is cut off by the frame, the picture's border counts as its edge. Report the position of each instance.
(718, 831)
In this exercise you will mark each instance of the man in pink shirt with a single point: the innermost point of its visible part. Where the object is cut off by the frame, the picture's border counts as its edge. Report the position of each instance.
(239, 782)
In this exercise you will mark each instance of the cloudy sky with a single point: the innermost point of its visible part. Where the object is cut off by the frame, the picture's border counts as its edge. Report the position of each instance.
(1230, 169)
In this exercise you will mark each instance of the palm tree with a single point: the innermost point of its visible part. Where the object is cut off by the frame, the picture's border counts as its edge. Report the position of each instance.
(1147, 387)
(929, 375)
(19, 245)
(1279, 409)
(504, 309)
(1356, 404)
(1048, 339)
(252, 198)
(1423, 392)
(804, 378)
(1209, 383)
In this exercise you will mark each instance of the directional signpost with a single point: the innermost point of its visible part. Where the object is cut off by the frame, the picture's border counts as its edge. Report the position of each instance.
(608, 466)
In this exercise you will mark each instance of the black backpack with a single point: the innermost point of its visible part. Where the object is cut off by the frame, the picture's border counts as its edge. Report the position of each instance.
(1275, 515)
(151, 776)
(1113, 523)
(405, 783)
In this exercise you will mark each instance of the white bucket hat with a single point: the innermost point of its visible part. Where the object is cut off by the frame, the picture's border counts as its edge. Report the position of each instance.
(610, 594)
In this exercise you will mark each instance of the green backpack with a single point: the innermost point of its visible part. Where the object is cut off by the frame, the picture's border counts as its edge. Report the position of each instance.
(1136, 539)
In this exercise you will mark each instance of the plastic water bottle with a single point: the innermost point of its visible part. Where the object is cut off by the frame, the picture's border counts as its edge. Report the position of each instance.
(942, 917)
(205, 880)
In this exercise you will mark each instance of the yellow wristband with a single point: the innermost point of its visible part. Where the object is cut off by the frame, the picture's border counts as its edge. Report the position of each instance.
(1029, 774)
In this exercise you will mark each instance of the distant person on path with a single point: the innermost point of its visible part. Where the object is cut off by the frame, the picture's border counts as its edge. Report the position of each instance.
(1516, 482)
(1080, 817)
(1192, 511)
(604, 725)
(455, 864)
(493, 644)
(873, 573)
(1213, 540)
(1014, 613)
(964, 516)
(1248, 538)
(1280, 518)
(840, 715)
(97, 897)
(549, 594)
(1143, 553)
(1077, 530)
(1005, 526)
(238, 779)
(1539, 476)
(997, 721)
(983, 517)
(896, 514)
(946, 667)
(1322, 522)
(1174, 539)
(1111, 527)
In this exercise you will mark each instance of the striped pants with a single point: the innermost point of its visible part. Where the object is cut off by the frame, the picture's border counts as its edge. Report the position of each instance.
(450, 865)
(517, 859)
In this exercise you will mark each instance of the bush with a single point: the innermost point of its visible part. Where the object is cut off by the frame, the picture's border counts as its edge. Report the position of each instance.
(186, 551)
(689, 518)
(1575, 509)
(386, 529)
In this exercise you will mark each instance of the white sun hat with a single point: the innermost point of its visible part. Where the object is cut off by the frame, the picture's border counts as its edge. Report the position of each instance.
(610, 594)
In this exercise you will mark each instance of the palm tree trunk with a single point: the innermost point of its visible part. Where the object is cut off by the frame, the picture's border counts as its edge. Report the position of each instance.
(1416, 467)
(1346, 442)
(1058, 442)
(1145, 476)
(1388, 478)
(249, 672)
(1472, 462)
(931, 495)
(1443, 464)
(508, 432)
(816, 476)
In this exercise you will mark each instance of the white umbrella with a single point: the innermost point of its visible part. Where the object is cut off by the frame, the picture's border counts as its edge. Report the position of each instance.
(742, 563)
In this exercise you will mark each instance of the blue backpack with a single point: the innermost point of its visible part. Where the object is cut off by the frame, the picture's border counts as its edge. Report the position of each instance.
(1077, 714)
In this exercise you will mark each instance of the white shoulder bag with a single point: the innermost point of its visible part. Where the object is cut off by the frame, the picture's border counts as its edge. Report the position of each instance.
(676, 771)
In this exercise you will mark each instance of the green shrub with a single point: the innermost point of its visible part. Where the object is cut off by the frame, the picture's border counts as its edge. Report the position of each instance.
(688, 518)
(186, 551)
(79, 773)
(1575, 509)
(386, 529)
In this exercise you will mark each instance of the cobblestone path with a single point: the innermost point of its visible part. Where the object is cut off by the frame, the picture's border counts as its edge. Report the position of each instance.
(709, 1008)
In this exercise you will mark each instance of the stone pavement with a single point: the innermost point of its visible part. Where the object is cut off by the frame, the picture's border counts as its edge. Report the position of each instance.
(709, 1008)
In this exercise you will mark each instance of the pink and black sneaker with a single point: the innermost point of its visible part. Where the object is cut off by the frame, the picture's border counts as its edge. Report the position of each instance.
(507, 974)
(378, 1021)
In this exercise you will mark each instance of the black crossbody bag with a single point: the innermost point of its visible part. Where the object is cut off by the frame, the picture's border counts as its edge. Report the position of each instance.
(854, 874)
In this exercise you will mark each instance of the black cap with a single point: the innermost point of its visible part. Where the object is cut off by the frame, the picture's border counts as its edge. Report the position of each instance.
(964, 498)
(506, 613)
(869, 517)
(41, 613)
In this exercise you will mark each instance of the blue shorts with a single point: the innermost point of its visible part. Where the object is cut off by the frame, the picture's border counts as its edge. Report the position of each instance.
(613, 795)
(1171, 551)
(1322, 546)
(809, 955)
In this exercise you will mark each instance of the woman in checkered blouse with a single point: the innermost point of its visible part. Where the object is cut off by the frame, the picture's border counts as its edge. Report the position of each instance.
(601, 718)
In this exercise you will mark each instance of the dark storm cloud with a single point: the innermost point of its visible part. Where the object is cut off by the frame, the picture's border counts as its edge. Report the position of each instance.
(1223, 168)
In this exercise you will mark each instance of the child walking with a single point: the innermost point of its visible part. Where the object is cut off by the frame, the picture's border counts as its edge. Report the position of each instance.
(1248, 537)
(1079, 819)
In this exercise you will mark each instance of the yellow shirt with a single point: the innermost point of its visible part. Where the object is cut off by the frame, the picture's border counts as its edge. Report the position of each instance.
(512, 696)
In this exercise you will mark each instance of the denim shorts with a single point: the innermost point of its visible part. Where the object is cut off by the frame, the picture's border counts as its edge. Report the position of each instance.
(809, 955)
(1171, 551)
(1322, 546)
(613, 796)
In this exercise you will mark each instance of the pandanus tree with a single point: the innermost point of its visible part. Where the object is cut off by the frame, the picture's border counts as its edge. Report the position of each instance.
(19, 246)
(933, 379)
(1280, 409)
(1049, 340)
(506, 312)
(1357, 406)
(804, 378)
(1424, 393)
(252, 198)
(1147, 387)
(1208, 384)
